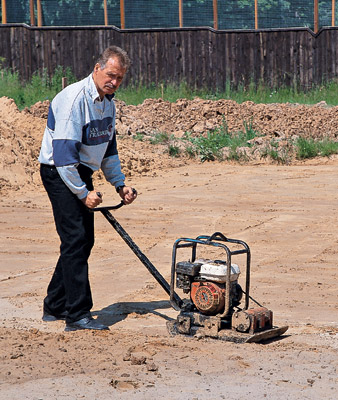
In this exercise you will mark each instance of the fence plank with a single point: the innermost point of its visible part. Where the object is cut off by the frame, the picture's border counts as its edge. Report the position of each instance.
(201, 57)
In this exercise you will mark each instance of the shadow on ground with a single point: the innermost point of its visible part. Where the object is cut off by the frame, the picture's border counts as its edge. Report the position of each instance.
(119, 311)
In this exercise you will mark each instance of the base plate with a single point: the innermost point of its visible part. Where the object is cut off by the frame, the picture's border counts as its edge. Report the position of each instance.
(229, 335)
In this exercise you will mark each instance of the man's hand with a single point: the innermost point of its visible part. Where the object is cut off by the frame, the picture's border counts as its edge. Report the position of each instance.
(92, 200)
(128, 194)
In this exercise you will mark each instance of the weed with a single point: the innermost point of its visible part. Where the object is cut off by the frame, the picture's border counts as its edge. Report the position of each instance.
(280, 154)
(26, 93)
(309, 148)
(258, 93)
(306, 148)
(39, 88)
(160, 138)
(174, 151)
(169, 141)
(209, 147)
(328, 147)
(139, 136)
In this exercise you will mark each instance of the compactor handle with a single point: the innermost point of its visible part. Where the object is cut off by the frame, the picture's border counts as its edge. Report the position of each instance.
(108, 207)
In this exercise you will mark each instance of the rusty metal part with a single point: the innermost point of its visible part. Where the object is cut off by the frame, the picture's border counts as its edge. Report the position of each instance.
(208, 297)
(183, 324)
(188, 322)
(199, 325)
(253, 320)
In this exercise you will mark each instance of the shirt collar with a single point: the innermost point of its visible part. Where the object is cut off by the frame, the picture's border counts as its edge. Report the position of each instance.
(94, 94)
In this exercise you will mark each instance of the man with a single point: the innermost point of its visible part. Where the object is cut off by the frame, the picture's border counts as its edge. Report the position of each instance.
(79, 139)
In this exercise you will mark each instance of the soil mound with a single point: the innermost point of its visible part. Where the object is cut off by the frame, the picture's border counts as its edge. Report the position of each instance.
(21, 131)
(20, 138)
(198, 116)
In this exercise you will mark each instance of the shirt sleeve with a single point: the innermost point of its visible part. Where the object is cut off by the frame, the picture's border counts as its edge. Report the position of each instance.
(71, 177)
(111, 167)
(67, 142)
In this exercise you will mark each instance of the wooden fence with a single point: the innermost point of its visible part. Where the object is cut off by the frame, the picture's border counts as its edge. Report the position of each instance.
(179, 5)
(201, 57)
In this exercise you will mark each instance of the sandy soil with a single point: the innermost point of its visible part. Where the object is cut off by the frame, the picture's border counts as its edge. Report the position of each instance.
(288, 216)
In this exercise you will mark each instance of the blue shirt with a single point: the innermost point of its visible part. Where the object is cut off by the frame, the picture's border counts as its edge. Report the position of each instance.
(81, 129)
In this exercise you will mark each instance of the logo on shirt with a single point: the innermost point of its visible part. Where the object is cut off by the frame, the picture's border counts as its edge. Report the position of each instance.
(97, 132)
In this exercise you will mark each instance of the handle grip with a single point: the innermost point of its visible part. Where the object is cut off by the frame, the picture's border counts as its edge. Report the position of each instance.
(108, 207)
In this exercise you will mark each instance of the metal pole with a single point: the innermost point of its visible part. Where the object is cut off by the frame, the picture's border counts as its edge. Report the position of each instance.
(105, 12)
(215, 9)
(256, 14)
(38, 5)
(333, 23)
(316, 16)
(4, 12)
(31, 11)
(122, 14)
(180, 12)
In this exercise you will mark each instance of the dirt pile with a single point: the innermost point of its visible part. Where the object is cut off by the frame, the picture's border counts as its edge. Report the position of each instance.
(21, 131)
(20, 138)
(198, 116)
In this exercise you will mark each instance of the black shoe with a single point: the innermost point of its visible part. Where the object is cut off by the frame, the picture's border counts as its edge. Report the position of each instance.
(85, 323)
(51, 317)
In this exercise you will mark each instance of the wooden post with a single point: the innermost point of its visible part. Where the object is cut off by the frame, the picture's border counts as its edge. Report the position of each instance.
(333, 23)
(4, 12)
(215, 9)
(123, 25)
(256, 14)
(64, 82)
(31, 11)
(315, 16)
(38, 6)
(180, 12)
(105, 12)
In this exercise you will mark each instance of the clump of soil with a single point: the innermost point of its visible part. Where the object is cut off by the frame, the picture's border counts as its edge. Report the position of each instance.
(21, 131)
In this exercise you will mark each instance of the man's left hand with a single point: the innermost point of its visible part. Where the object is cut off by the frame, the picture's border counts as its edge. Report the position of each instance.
(128, 194)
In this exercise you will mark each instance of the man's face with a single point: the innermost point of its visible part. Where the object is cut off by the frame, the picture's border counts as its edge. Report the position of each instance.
(108, 80)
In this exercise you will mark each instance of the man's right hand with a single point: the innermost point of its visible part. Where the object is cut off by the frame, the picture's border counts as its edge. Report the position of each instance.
(92, 200)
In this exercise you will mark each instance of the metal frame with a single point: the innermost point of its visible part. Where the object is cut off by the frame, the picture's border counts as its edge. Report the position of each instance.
(213, 240)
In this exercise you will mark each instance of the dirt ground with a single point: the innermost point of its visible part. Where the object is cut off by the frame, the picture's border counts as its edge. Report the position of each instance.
(288, 216)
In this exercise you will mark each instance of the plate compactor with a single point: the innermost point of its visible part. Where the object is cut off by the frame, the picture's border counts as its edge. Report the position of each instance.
(212, 306)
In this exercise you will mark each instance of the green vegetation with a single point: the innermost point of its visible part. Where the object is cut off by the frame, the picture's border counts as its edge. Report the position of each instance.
(309, 148)
(280, 154)
(41, 87)
(220, 144)
(217, 144)
(209, 147)
(169, 141)
(256, 93)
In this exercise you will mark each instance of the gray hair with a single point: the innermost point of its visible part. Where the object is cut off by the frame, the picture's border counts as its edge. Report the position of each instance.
(114, 51)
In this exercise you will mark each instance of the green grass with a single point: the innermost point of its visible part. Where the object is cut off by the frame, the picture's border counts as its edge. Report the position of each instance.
(310, 148)
(220, 144)
(42, 87)
(209, 147)
(258, 94)
(206, 147)
(169, 141)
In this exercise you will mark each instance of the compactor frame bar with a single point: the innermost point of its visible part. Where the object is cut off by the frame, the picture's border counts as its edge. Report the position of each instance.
(214, 240)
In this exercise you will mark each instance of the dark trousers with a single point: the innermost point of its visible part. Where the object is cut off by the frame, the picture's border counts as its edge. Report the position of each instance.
(69, 290)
